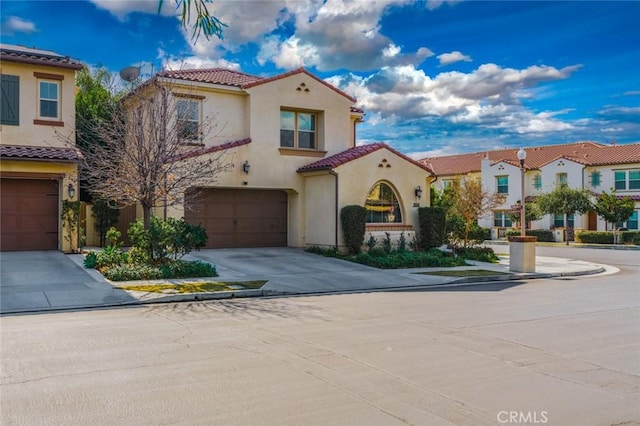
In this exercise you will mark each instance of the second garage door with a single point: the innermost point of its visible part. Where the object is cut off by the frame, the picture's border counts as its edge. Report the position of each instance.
(241, 218)
(29, 216)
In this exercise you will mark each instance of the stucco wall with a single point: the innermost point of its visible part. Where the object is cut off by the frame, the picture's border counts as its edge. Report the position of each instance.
(319, 210)
(357, 177)
(28, 133)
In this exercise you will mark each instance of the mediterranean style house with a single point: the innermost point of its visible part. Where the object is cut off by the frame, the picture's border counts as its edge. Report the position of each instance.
(582, 165)
(292, 141)
(37, 171)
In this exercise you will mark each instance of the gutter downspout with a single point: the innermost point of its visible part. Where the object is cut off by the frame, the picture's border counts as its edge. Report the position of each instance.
(335, 175)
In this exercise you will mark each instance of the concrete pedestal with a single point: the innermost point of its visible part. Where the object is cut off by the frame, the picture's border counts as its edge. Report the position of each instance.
(522, 254)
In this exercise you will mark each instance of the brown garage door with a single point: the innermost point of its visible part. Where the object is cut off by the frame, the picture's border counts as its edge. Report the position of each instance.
(29, 214)
(241, 218)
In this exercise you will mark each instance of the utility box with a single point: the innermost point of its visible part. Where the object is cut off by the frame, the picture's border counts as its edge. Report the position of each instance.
(522, 254)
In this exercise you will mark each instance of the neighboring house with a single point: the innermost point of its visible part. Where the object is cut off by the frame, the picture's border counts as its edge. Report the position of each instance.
(292, 140)
(582, 165)
(37, 170)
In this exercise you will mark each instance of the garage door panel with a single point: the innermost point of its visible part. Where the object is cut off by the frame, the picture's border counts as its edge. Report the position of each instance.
(29, 216)
(241, 218)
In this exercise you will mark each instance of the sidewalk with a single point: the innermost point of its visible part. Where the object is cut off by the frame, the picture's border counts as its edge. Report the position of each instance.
(288, 271)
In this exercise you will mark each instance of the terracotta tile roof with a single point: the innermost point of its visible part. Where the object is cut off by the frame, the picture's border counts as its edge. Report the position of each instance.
(41, 153)
(238, 79)
(300, 71)
(587, 153)
(211, 149)
(214, 75)
(26, 55)
(343, 157)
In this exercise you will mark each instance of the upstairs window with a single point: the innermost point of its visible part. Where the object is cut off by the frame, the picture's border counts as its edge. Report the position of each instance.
(188, 120)
(627, 179)
(382, 205)
(10, 99)
(562, 179)
(502, 183)
(298, 130)
(595, 179)
(49, 100)
(537, 182)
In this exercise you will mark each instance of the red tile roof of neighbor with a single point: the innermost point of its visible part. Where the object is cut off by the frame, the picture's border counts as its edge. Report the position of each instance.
(343, 157)
(42, 153)
(586, 153)
(238, 79)
(212, 149)
(27, 55)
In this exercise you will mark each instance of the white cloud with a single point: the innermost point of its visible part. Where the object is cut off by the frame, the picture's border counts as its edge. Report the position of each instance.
(121, 9)
(488, 96)
(15, 24)
(453, 57)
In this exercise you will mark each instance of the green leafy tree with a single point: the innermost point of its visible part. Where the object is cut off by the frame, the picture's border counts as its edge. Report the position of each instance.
(532, 213)
(613, 209)
(565, 201)
(205, 23)
(106, 216)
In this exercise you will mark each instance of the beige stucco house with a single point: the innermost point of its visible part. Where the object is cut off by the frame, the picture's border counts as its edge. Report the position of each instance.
(37, 170)
(292, 141)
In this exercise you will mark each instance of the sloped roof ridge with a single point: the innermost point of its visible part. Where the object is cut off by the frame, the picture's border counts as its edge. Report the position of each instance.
(354, 153)
(295, 71)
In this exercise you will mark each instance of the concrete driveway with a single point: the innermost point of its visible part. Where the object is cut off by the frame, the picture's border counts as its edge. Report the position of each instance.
(294, 271)
(35, 280)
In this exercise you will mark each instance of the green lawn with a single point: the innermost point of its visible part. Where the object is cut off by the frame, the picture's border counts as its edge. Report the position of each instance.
(464, 273)
(195, 287)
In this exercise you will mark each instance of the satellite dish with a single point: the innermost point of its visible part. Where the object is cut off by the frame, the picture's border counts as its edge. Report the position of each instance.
(129, 73)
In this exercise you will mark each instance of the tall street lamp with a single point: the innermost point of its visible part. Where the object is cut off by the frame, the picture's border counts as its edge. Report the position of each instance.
(522, 154)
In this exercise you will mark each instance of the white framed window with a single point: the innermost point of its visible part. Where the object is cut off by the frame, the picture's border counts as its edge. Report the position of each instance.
(49, 99)
(501, 219)
(502, 184)
(188, 119)
(383, 205)
(627, 179)
(562, 179)
(298, 130)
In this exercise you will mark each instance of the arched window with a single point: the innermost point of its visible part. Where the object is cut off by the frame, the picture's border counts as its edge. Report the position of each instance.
(383, 205)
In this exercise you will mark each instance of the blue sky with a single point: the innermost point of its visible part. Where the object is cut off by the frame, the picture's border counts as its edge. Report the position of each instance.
(434, 77)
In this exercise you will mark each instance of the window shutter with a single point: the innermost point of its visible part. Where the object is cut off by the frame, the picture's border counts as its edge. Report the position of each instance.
(10, 100)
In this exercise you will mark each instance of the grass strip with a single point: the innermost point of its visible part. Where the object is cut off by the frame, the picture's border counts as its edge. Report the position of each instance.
(195, 286)
(464, 273)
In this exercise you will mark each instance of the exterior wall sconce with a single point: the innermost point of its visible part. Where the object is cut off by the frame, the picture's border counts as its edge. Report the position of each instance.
(71, 190)
(418, 192)
(246, 167)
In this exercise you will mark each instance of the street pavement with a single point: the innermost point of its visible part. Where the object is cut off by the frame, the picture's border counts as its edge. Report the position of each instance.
(47, 281)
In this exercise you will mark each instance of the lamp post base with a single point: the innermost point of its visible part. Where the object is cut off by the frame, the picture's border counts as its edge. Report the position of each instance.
(522, 254)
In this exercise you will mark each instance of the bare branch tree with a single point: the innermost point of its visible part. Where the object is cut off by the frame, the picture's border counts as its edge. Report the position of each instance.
(472, 202)
(150, 150)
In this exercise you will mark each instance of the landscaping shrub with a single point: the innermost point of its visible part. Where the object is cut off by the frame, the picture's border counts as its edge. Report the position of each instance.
(132, 272)
(543, 235)
(185, 269)
(631, 237)
(110, 256)
(594, 237)
(90, 260)
(481, 254)
(371, 242)
(386, 243)
(377, 257)
(171, 238)
(353, 219)
(432, 222)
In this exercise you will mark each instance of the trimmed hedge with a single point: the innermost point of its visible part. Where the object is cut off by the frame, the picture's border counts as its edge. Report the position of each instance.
(631, 237)
(543, 235)
(354, 221)
(432, 222)
(594, 237)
